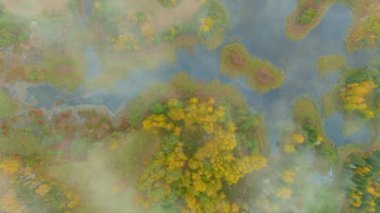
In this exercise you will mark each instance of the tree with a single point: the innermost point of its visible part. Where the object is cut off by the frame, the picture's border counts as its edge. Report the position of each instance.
(197, 159)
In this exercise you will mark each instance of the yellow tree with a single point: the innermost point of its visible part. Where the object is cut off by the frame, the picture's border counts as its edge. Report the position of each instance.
(197, 157)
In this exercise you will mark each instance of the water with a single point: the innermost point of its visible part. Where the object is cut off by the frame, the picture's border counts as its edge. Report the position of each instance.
(334, 129)
(259, 25)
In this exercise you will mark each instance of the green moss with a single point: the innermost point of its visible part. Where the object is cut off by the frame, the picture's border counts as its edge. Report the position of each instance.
(7, 106)
(307, 16)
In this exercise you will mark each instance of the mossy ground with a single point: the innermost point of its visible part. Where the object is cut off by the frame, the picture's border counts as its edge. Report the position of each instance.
(364, 32)
(297, 31)
(7, 105)
(330, 63)
(235, 59)
(261, 74)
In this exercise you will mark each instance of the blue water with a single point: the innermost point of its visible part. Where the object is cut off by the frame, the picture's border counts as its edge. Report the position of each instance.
(259, 25)
(334, 129)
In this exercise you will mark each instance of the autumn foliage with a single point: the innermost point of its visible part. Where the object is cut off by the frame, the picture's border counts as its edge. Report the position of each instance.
(197, 159)
(354, 97)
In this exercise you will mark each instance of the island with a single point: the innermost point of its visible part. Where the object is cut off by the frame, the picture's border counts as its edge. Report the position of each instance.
(261, 74)
(364, 32)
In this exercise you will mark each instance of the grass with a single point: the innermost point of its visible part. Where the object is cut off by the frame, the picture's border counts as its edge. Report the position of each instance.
(330, 63)
(57, 68)
(7, 106)
(329, 102)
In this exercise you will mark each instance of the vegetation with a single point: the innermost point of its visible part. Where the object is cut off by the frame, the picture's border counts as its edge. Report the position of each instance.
(354, 97)
(330, 63)
(170, 3)
(13, 29)
(261, 74)
(34, 192)
(197, 157)
(264, 76)
(213, 24)
(309, 127)
(365, 192)
(7, 105)
(307, 16)
(234, 59)
(364, 32)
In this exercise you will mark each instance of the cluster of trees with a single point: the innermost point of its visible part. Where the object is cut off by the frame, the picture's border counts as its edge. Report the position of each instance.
(354, 97)
(33, 191)
(198, 157)
(309, 131)
(372, 30)
(364, 194)
(207, 24)
(207, 27)
(261, 74)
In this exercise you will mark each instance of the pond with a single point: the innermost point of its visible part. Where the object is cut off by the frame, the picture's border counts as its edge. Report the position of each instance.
(259, 25)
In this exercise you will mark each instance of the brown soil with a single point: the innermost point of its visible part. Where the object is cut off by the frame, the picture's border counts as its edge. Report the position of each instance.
(237, 59)
(263, 76)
